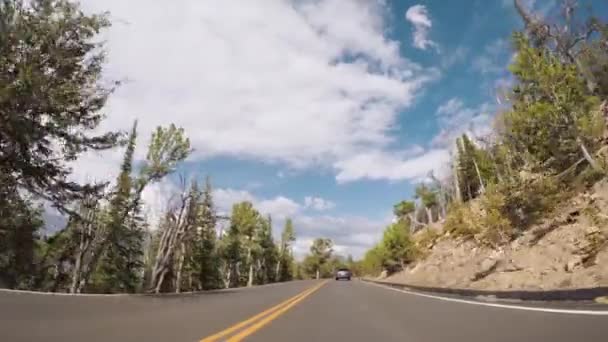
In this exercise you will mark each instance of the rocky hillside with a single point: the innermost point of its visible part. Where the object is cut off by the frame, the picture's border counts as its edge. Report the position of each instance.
(569, 250)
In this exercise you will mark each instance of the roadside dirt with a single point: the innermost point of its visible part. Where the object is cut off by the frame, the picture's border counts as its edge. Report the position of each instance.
(566, 251)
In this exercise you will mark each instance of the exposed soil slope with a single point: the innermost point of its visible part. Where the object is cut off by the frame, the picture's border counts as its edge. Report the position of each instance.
(568, 250)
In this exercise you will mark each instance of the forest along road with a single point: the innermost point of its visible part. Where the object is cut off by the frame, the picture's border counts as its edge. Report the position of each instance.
(295, 311)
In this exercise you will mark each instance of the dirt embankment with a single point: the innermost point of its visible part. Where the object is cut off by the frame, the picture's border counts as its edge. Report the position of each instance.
(568, 250)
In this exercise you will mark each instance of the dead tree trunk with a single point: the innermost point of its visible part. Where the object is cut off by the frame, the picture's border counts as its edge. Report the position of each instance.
(429, 214)
(86, 227)
(180, 267)
(482, 188)
(227, 277)
(588, 156)
(172, 236)
(278, 268)
(456, 181)
(250, 275)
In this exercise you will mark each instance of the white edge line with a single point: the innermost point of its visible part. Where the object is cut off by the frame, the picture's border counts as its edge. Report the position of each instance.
(504, 306)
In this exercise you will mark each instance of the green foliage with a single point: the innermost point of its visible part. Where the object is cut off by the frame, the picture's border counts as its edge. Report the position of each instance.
(316, 262)
(373, 261)
(285, 260)
(50, 95)
(505, 210)
(393, 253)
(267, 253)
(404, 208)
(120, 267)
(461, 221)
(471, 159)
(398, 247)
(20, 222)
(552, 112)
(168, 147)
(427, 196)
(205, 254)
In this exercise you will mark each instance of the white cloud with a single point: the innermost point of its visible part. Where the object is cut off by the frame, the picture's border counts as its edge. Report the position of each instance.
(379, 165)
(279, 207)
(455, 119)
(419, 17)
(318, 203)
(350, 234)
(303, 83)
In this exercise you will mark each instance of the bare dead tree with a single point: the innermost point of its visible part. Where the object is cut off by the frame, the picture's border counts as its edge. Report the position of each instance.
(176, 225)
(85, 227)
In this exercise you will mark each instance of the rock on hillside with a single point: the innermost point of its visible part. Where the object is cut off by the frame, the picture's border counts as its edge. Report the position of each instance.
(569, 250)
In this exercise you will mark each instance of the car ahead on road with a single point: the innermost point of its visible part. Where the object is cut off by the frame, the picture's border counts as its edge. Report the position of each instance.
(343, 273)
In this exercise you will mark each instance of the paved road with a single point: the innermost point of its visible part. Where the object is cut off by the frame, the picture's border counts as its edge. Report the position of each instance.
(331, 311)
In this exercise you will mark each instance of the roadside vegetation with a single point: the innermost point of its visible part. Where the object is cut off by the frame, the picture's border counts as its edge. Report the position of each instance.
(52, 97)
(548, 143)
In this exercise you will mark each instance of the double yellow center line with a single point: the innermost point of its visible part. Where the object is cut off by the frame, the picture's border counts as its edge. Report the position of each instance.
(257, 322)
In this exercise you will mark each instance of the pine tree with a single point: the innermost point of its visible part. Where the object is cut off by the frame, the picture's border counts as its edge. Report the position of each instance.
(469, 176)
(50, 95)
(284, 270)
(205, 258)
(554, 121)
(428, 199)
(267, 257)
(122, 261)
(20, 222)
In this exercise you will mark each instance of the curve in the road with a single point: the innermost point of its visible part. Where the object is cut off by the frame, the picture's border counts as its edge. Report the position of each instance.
(258, 321)
(496, 305)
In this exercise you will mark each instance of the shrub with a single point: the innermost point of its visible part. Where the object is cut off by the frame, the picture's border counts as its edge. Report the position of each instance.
(461, 221)
(496, 227)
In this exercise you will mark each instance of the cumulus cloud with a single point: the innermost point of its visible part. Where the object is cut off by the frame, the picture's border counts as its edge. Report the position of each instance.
(455, 119)
(418, 16)
(318, 203)
(303, 83)
(378, 165)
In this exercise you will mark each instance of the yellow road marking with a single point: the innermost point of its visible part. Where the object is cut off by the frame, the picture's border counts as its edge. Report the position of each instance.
(259, 325)
(250, 320)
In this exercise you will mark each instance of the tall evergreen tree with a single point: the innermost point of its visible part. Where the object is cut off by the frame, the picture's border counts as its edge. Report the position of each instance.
(20, 221)
(51, 97)
(205, 257)
(120, 268)
(284, 271)
(267, 256)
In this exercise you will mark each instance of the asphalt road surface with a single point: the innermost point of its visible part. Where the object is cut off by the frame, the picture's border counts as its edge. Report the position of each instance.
(296, 311)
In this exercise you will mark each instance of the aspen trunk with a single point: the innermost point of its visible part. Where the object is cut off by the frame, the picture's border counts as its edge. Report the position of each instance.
(227, 277)
(250, 276)
(482, 188)
(278, 270)
(74, 287)
(456, 183)
(180, 268)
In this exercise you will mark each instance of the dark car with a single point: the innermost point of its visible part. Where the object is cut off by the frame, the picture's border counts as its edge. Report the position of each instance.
(343, 273)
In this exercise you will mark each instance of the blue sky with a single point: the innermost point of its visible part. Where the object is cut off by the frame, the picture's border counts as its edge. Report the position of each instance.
(326, 111)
